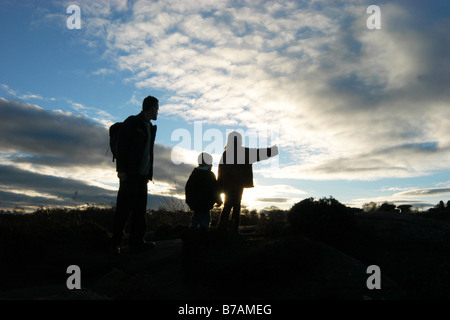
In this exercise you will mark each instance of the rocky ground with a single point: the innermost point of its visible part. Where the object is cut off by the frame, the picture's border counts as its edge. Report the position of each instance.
(412, 253)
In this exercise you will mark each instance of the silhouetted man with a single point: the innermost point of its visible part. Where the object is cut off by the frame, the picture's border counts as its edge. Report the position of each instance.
(236, 173)
(135, 168)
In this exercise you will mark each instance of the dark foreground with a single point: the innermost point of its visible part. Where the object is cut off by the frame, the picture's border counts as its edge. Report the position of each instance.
(412, 253)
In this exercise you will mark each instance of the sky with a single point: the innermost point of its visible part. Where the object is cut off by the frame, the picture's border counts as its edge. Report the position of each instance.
(357, 100)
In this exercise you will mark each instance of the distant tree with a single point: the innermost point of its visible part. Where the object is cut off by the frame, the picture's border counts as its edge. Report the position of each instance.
(369, 207)
(387, 207)
(244, 209)
(173, 204)
(440, 206)
(325, 220)
(273, 213)
(273, 221)
(272, 208)
(172, 201)
(405, 208)
(248, 217)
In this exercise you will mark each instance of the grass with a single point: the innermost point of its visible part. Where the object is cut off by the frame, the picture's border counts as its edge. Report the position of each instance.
(262, 264)
(226, 266)
(36, 248)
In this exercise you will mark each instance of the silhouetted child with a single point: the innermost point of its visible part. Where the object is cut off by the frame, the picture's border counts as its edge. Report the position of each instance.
(202, 192)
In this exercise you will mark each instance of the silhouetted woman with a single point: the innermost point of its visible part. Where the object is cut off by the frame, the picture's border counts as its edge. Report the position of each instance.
(236, 173)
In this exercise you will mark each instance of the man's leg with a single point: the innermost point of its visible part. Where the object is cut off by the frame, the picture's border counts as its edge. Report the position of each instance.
(236, 216)
(123, 209)
(139, 210)
(225, 215)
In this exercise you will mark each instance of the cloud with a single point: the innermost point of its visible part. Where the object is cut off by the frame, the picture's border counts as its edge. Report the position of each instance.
(339, 92)
(52, 154)
(29, 190)
(51, 137)
(165, 170)
(407, 160)
(351, 103)
(16, 95)
(424, 192)
(61, 188)
(282, 195)
(102, 72)
(276, 200)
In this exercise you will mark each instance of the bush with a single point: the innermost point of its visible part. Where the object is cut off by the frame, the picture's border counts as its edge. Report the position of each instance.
(387, 207)
(324, 220)
(164, 218)
(272, 222)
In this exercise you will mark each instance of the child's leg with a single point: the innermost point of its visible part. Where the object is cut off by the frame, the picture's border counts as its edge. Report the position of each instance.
(204, 219)
(194, 221)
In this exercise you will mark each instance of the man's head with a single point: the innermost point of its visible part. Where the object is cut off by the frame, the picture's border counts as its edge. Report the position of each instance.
(150, 107)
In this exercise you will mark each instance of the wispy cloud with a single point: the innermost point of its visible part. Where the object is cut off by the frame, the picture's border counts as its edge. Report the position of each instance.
(281, 195)
(102, 72)
(51, 189)
(17, 95)
(338, 90)
(425, 192)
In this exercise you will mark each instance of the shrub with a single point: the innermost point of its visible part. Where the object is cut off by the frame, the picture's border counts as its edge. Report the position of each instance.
(324, 220)
(272, 222)
(164, 218)
(387, 207)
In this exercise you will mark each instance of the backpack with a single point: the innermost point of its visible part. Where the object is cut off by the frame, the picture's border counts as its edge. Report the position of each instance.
(114, 132)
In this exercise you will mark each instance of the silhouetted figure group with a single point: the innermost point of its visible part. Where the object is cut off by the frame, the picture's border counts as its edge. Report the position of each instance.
(134, 153)
(235, 173)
